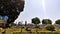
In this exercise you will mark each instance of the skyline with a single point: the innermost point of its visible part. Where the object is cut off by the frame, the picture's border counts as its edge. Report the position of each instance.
(41, 9)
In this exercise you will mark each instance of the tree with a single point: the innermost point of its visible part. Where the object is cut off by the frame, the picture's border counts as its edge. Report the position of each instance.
(11, 8)
(36, 20)
(50, 27)
(46, 21)
(57, 21)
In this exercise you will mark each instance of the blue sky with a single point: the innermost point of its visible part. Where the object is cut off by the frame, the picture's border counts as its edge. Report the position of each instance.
(40, 8)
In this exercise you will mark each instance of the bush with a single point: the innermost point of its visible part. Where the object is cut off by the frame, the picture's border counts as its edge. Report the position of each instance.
(50, 27)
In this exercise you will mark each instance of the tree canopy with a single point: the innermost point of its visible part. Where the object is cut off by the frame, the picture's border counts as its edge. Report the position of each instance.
(11, 8)
(36, 20)
(57, 21)
(46, 21)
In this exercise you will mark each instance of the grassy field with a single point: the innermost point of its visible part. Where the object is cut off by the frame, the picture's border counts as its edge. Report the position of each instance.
(23, 31)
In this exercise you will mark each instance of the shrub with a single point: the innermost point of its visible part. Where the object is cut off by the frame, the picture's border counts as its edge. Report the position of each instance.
(50, 27)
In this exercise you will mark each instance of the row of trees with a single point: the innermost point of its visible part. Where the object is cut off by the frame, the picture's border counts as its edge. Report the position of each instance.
(36, 20)
(49, 25)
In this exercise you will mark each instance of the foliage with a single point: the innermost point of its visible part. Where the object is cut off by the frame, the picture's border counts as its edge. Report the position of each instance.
(12, 24)
(33, 30)
(57, 21)
(37, 26)
(50, 27)
(11, 8)
(46, 21)
(36, 20)
(28, 29)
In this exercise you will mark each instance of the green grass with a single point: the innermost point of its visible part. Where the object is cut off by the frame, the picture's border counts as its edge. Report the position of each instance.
(33, 31)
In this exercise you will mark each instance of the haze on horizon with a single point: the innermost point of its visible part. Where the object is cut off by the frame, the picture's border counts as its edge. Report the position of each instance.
(41, 9)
